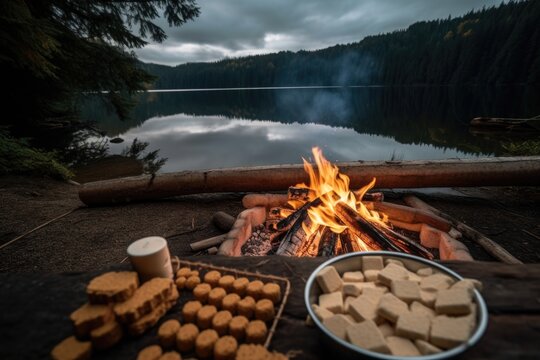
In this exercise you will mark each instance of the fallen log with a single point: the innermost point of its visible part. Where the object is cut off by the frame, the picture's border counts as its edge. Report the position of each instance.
(508, 124)
(395, 174)
(494, 249)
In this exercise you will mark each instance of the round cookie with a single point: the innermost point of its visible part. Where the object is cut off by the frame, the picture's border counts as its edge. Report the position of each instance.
(201, 292)
(170, 355)
(226, 282)
(167, 333)
(246, 307)
(190, 310)
(205, 316)
(230, 302)
(220, 322)
(256, 332)
(204, 344)
(237, 327)
(264, 310)
(254, 289)
(272, 292)
(212, 278)
(225, 348)
(185, 338)
(239, 286)
(192, 281)
(151, 352)
(184, 271)
(180, 282)
(216, 295)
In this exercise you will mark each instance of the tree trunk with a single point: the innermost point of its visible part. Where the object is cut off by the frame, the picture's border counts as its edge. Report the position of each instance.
(395, 174)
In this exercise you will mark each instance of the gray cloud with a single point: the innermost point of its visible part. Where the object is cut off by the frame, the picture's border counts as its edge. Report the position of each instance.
(245, 27)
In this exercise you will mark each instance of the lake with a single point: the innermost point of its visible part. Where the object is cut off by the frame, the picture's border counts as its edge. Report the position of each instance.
(204, 129)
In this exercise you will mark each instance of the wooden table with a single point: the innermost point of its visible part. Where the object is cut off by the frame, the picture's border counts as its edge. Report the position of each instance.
(36, 307)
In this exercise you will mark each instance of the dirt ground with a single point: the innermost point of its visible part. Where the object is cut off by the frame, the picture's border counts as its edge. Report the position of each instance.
(92, 238)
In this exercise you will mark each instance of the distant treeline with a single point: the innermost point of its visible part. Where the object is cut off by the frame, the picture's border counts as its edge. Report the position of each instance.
(497, 45)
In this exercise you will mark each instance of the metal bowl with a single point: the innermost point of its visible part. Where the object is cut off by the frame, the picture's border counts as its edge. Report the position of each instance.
(349, 262)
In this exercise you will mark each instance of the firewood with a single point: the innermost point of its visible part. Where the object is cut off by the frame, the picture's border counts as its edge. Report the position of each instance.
(349, 244)
(223, 221)
(372, 196)
(267, 200)
(298, 193)
(338, 248)
(311, 246)
(408, 245)
(494, 249)
(416, 227)
(363, 229)
(409, 214)
(295, 236)
(207, 243)
(327, 242)
(397, 174)
(286, 223)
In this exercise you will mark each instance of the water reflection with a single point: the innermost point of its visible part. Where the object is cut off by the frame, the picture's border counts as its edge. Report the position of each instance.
(215, 141)
(207, 129)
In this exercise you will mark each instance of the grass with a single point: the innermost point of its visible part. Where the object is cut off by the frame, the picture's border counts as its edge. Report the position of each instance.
(17, 157)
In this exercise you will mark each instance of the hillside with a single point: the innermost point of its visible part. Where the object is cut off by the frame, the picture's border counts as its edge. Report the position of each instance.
(498, 45)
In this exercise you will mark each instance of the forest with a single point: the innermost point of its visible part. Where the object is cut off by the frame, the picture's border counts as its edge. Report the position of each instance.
(496, 45)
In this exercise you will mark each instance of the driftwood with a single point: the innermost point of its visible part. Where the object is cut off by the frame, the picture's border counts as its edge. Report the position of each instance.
(494, 249)
(394, 174)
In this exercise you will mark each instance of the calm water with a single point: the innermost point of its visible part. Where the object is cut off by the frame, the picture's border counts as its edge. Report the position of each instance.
(201, 129)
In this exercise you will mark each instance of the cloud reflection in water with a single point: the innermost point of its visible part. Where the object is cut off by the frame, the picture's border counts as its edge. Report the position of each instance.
(207, 142)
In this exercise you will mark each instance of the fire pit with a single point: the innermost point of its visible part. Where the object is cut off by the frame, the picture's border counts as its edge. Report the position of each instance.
(326, 218)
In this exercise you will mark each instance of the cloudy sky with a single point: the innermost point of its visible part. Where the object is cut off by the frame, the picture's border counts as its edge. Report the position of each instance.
(231, 28)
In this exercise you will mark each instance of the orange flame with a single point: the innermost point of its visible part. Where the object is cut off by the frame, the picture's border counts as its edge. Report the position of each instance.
(332, 187)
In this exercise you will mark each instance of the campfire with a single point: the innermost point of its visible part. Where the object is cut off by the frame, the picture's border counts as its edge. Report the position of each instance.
(325, 218)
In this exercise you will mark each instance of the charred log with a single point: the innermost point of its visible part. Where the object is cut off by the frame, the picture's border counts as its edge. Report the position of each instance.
(288, 222)
(327, 243)
(372, 236)
(296, 235)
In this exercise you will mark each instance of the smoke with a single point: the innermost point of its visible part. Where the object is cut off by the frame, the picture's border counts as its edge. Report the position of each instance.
(321, 106)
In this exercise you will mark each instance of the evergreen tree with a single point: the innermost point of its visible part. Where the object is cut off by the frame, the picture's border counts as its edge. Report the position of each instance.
(54, 49)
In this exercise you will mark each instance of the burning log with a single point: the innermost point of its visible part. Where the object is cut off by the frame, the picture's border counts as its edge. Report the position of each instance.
(311, 245)
(286, 223)
(295, 236)
(349, 245)
(271, 201)
(327, 243)
(363, 229)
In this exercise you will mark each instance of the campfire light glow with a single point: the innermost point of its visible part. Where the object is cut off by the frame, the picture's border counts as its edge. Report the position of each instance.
(332, 188)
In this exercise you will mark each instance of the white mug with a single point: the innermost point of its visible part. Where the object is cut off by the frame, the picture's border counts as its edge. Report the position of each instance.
(150, 257)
